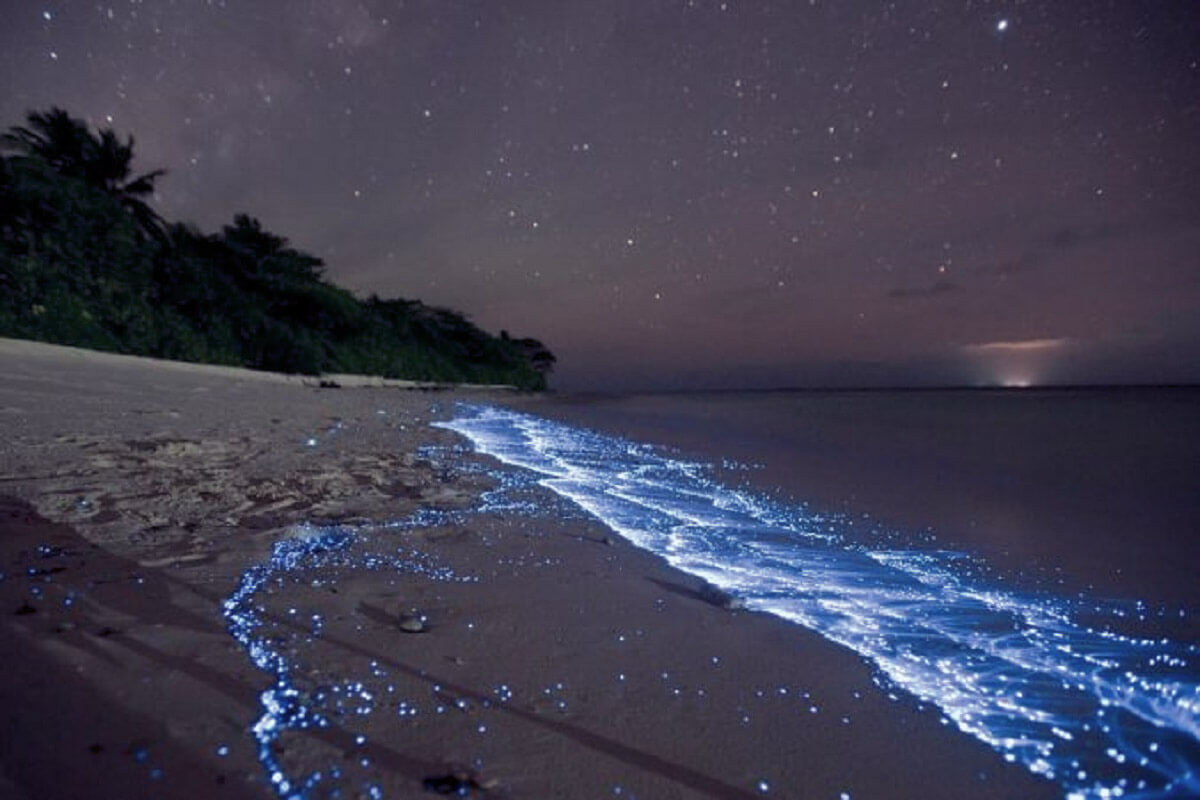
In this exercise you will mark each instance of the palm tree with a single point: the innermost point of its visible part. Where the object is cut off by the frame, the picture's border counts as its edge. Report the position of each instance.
(263, 256)
(102, 160)
(55, 137)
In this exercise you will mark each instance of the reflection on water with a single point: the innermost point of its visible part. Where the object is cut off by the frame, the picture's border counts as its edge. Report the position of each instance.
(1104, 713)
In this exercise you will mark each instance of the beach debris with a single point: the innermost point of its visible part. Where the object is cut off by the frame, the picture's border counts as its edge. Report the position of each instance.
(610, 541)
(412, 623)
(720, 598)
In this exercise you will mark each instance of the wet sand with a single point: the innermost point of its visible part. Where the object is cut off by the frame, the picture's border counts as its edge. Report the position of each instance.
(562, 662)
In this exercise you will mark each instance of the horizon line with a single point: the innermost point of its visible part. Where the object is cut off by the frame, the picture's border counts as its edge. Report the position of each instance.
(995, 387)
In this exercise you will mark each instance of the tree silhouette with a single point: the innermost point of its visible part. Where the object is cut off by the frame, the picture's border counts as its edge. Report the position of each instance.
(77, 267)
(100, 159)
(540, 357)
(265, 257)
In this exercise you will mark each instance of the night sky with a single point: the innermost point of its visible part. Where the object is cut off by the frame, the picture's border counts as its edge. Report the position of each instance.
(689, 193)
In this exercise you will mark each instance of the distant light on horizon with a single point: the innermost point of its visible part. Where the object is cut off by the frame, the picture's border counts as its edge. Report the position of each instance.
(1018, 363)
(1012, 373)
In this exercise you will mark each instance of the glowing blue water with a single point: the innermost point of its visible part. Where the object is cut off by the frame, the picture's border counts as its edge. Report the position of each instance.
(1104, 714)
(276, 646)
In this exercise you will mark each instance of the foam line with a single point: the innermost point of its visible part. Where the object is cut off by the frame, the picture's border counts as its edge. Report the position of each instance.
(1104, 714)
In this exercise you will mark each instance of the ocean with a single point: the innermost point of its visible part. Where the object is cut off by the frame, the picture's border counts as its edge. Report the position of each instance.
(1024, 560)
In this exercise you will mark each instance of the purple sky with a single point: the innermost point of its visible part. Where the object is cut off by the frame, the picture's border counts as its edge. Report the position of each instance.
(689, 193)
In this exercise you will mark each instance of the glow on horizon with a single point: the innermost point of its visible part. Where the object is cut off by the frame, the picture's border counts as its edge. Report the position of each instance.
(1015, 376)
(1005, 376)
(1015, 364)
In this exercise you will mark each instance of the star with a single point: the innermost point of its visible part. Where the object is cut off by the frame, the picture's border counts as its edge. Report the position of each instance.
(706, 144)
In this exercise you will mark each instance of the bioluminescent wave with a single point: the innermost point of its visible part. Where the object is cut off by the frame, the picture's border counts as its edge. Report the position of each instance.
(1104, 714)
(277, 644)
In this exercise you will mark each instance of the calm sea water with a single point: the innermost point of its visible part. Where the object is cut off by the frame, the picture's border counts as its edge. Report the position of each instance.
(1095, 490)
(1027, 561)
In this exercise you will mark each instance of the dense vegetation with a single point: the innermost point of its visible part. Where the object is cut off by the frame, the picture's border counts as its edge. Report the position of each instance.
(85, 261)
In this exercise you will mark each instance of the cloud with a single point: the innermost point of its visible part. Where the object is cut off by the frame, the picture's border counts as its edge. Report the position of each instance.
(1018, 346)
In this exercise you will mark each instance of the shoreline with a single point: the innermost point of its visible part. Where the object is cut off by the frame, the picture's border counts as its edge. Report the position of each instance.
(566, 663)
(68, 354)
(1041, 485)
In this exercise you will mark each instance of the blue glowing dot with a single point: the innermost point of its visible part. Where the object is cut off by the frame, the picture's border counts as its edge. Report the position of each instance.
(223, 750)
(1002, 25)
(763, 786)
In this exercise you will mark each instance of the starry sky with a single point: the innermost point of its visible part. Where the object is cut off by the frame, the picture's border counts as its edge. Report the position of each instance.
(689, 193)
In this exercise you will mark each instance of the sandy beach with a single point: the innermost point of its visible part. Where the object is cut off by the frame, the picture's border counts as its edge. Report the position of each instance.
(552, 660)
